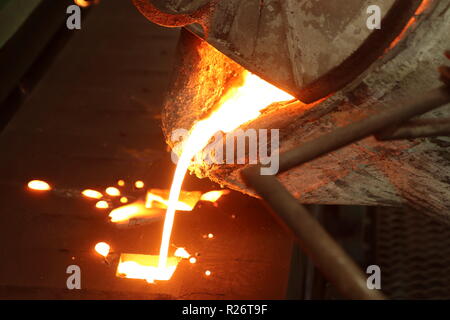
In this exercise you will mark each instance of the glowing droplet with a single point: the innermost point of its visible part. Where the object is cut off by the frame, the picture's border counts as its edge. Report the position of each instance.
(120, 183)
(85, 3)
(213, 196)
(123, 199)
(207, 273)
(102, 248)
(102, 204)
(182, 253)
(210, 235)
(139, 184)
(89, 193)
(193, 260)
(112, 191)
(38, 185)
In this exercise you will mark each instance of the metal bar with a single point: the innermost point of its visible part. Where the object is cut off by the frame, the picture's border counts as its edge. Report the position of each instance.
(326, 254)
(329, 257)
(419, 128)
(356, 131)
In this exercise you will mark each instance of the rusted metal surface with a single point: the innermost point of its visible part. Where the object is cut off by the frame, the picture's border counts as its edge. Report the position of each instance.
(326, 254)
(368, 172)
(179, 6)
(309, 48)
(343, 136)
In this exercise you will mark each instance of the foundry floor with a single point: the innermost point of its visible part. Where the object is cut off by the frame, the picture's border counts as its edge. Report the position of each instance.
(92, 119)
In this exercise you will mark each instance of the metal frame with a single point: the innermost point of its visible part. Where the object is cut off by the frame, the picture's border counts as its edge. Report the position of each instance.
(326, 254)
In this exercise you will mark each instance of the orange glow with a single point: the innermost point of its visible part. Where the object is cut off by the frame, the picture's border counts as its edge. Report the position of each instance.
(120, 183)
(102, 248)
(157, 198)
(213, 196)
(93, 194)
(39, 185)
(420, 10)
(145, 267)
(102, 204)
(85, 3)
(134, 210)
(112, 191)
(181, 253)
(238, 106)
(139, 184)
(123, 200)
(193, 260)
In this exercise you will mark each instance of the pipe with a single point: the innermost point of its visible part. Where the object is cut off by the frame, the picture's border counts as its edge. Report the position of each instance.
(326, 254)
(420, 128)
(329, 257)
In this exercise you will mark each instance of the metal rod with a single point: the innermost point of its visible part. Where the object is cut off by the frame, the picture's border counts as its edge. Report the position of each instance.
(325, 253)
(329, 257)
(419, 128)
(343, 136)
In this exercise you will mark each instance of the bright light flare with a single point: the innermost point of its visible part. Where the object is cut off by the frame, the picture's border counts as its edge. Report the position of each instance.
(213, 196)
(93, 194)
(39, 185)
(102, 248)
(238, 106)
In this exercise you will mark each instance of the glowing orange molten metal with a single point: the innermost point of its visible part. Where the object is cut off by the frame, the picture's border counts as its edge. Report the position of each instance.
(102, 248)
(93, 194)
(238, 106)
(39, 185)
(213, 196)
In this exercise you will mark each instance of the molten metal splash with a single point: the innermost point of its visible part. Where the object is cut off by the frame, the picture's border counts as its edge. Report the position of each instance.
(93, 194)
(182, 253)
(238, 106)
(213, 196)
(39, 185)
(102, 248)
(133, 210)
(145, 267)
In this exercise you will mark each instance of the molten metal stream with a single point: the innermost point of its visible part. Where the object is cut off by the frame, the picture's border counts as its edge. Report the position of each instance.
(239, 105)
